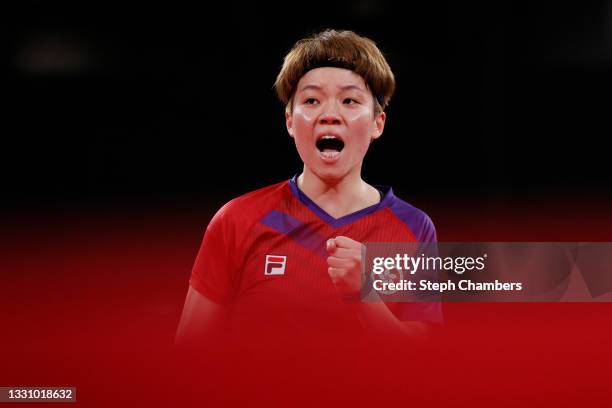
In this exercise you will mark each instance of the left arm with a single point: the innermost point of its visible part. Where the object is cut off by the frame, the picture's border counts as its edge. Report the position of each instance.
(344, 268)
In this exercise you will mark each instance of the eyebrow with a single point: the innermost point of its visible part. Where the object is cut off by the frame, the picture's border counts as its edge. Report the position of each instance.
(344, 88)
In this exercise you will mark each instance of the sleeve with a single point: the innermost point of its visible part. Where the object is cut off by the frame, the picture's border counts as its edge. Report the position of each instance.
(214, 272)
(428, 231)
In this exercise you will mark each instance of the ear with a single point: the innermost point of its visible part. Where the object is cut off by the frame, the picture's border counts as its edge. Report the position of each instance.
(379, 125)
(289, 122)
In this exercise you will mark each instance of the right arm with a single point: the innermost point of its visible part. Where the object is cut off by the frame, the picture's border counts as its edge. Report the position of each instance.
(203, 322)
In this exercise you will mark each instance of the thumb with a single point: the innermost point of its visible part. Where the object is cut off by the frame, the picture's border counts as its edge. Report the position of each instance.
(331, 245)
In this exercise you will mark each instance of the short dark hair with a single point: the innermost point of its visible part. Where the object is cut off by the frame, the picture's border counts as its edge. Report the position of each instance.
(341, 49)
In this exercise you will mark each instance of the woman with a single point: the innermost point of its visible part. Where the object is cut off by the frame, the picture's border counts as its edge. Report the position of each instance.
(285, 259)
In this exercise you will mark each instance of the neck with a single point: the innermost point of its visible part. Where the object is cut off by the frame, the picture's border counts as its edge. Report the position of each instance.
(341, 197)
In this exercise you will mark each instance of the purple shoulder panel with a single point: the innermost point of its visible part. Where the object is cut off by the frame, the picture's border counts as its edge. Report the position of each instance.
(417, 221)
(297, 231)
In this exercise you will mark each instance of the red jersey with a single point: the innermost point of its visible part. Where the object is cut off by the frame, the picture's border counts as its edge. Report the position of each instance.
(264, 254)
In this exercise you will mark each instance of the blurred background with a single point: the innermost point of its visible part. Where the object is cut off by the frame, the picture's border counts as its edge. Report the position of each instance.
(125, 128)
(162, 103)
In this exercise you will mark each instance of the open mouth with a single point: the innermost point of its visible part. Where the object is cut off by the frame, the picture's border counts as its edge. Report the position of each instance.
(330, 144)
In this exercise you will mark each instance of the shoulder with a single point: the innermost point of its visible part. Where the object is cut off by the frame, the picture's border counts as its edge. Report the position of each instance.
(419, 223)
(250, 207)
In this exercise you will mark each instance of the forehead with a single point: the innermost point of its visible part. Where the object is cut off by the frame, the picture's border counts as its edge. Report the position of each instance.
(331, 78)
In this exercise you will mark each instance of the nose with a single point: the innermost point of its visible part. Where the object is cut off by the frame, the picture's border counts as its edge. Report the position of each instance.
(330, 115)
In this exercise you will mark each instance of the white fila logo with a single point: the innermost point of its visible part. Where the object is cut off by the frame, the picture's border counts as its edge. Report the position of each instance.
(275, 264)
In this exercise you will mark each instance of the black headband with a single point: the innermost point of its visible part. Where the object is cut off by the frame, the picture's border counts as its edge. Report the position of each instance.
(338, 63)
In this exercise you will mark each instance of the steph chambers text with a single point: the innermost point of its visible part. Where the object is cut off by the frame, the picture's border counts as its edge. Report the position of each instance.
(435, 286)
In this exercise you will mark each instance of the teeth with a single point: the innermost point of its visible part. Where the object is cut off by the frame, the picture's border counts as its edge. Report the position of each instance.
(330, 154)
(329, 137)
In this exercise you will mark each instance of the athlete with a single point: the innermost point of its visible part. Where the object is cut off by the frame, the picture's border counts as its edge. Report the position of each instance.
(285, 259)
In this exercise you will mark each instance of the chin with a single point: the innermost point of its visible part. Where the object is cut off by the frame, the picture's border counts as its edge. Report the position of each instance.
(331, 175)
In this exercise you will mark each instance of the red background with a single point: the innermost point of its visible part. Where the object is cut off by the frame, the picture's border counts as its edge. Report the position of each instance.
(93, 298)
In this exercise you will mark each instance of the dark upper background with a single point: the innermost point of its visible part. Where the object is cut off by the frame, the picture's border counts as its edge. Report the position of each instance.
(106, 107)
(164, 103)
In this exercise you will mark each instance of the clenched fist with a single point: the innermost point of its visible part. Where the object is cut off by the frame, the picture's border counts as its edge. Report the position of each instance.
(344, 263)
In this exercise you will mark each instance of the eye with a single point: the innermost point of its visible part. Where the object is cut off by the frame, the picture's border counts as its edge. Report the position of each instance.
(350, 101)
(310, 101)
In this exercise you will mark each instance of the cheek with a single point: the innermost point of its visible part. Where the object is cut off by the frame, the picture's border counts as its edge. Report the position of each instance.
(302, 128)
(360, 117)
(362, 126)
(302, 119)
